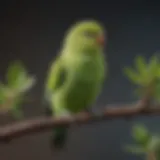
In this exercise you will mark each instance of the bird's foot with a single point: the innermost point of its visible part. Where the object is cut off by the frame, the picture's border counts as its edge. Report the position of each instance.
(90, 112)
(48, 111)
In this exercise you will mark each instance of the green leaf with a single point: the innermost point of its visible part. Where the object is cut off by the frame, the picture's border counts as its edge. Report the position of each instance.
(153, 65)
(145, 74)
(158, 72)
(27, 84)
(15, 72)
(154, 146)
(141, 65)
(18, 79)
(141, 134)
(135, 149)
(156, 94)
(154, 143)
(5, 92)
(132, 75)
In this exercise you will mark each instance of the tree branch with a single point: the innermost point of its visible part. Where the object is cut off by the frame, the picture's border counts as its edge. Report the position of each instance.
(22, 128)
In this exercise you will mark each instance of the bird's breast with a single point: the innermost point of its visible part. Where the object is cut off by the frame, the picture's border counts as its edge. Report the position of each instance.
(88, 71)
(82, 85)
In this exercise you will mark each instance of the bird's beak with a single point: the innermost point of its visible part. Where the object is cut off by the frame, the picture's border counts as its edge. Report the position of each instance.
(101, 40)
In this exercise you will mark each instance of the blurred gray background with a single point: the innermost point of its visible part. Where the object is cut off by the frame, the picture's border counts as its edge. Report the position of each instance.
(32, 31)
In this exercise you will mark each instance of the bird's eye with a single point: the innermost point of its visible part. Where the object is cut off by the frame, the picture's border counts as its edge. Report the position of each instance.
(90, 34)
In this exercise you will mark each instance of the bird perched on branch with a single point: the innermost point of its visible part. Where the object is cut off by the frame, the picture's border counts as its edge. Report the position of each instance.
(76, 76)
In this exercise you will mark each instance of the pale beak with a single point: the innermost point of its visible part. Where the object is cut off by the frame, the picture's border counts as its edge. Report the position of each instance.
(100, 40)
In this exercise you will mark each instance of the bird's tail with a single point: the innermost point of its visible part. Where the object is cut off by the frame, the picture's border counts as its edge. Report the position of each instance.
(59, 134)
(59, 137)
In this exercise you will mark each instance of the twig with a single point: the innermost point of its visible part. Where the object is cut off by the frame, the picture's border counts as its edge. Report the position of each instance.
(22, 128)
(151, 156)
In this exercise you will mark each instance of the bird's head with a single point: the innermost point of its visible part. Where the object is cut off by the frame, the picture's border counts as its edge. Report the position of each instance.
(86, 36)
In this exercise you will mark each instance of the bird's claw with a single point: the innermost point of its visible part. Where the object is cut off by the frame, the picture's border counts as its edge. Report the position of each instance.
(48, 111)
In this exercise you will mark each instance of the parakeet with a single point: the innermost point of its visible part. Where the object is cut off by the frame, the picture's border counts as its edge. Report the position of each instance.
(76, 76)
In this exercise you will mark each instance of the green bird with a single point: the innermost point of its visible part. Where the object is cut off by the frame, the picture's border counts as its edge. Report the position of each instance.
(76, 77)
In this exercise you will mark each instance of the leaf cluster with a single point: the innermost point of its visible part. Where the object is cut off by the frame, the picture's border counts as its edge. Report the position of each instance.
(145, 142)
(145, 75)
(17, 83)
